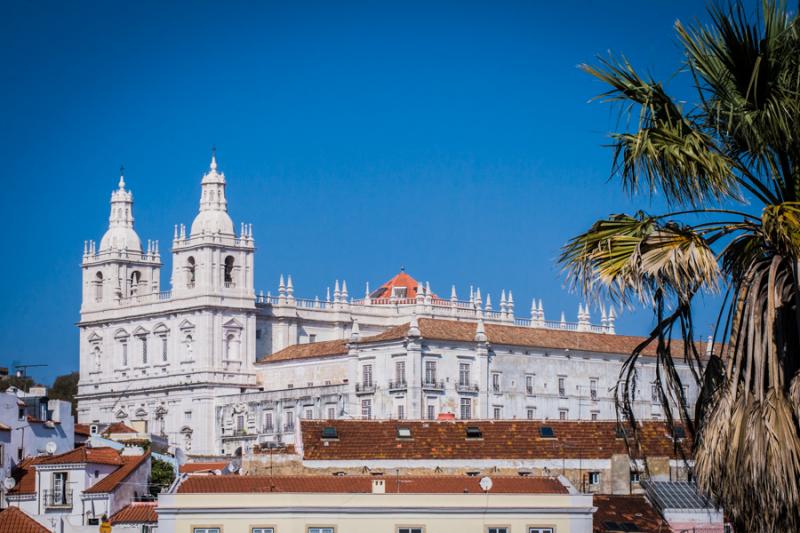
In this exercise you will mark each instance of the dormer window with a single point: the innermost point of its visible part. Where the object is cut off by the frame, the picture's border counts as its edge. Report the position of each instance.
(399, 292)
(403, 433)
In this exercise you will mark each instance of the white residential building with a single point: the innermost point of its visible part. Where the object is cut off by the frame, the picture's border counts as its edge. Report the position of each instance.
(30, 425)
(215, 366)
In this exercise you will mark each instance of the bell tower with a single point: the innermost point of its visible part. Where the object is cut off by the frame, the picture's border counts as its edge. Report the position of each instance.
(212, 260)
(119, 270)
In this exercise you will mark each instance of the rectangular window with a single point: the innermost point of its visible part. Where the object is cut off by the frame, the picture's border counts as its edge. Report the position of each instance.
(497, 530)
(562, 414)
(593, 388)
(262, 530)
(531, 413)
(594, 478)
(2, 455)
(143, 340)
(654, 393)
(366, 409)
(562, 386)
(187, 416)
(498, 413)
(529, 384)
(59, 488)
(466, 408)
(320, 530)
(400, 372)
(309, 414)
(430, 372)
(331, 413)
(164, 348)
(401, 412)
(431, 412)
(366, 375)
(268, 421)
(595, 415)
(463, 374)
(540, 530)
(410, 530)
(312, 338)
(124, 354)
(289, 420)
(496, 382)
(205, 530)
(635, 476)
(240, 423)
(19, 454)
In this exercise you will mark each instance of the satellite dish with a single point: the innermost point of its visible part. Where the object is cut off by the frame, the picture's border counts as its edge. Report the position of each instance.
(9, 483)
(486, 484)
(51, 447)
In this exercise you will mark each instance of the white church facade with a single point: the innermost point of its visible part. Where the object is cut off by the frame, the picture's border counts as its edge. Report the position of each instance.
(214, 366)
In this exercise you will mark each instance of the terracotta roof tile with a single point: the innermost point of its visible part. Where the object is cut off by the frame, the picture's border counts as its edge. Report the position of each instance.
(401, 280)
(501, 439)
(25, 476)
(14, 520)
(130, 463)
(136, 513)
(613, 511)
(363, 484)
(307, 351)
(118, 427)
(83, 429)
(189, 468)
(462, 331)
(102, 456)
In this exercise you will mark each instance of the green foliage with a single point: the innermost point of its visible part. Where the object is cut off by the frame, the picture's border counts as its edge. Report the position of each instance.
(731, 160)
(161, 476)
(23, 383)
(65, 388)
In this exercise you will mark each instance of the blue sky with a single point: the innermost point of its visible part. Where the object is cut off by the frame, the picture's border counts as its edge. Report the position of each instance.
(455, 139)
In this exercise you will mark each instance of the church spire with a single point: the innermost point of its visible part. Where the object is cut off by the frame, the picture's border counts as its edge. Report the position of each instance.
(120, 234)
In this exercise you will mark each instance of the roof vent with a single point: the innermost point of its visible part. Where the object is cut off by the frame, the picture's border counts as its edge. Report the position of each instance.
(474, 432)
(473, 473)
(339, 474)
(329, 432)
(546, 432)
(404, 432)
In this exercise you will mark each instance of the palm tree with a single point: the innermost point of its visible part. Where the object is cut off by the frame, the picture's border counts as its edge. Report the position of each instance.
(727, 166)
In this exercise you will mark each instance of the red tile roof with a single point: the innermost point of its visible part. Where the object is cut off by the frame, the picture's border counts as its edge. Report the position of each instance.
(189, 468)
(118, 427)
(136, 513)
(501, 439)
(14, 520)
(25, 476)
(612, 511)
(130, 463)
(307, 351)
(402, 280)
(363, 484)
(102, 456)
(462, 331)
(83, 430)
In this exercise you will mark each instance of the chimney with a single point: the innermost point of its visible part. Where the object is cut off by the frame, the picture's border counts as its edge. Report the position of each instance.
(378, 486)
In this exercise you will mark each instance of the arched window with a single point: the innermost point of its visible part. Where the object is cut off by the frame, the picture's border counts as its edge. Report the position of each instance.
(136, 277)
(231, 347)
(229, 271)
(190, 271)
(98, 287)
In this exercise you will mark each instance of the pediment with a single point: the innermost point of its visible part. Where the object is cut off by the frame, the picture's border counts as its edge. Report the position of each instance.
(186, 325)
(161, 328)
(186, 430)
(95, 337)
(121, 414)
(121, 334)
(233, 323)
(141, 412)
(140, 331)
